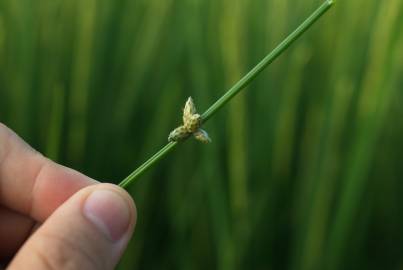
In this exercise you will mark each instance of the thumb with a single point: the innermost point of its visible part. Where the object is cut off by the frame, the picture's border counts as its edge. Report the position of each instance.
(89, 231)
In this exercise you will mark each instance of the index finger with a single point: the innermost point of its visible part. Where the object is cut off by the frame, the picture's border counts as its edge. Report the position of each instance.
(30, 183)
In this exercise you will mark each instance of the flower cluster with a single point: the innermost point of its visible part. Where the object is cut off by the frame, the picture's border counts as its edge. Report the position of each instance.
(191, 125)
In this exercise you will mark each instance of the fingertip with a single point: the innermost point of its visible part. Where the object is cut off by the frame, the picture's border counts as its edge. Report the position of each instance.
(92, 229)
(112, 210)
(125, 195)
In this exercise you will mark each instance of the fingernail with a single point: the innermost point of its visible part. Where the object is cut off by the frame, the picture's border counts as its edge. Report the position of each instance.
(109, 212)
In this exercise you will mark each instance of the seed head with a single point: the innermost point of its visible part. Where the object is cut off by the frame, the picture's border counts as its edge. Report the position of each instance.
(178, 134)
(191, 125)
(191, 119)
(202, 136)
(190, 108)
(192, 122)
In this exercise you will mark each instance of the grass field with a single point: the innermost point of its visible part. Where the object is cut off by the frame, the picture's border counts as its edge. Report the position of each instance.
(305, 169)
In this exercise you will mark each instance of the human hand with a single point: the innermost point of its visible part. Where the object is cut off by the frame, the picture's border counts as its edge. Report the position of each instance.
(52, 217)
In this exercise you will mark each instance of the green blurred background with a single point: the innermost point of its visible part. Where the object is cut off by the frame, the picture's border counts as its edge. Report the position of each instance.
(306, 166)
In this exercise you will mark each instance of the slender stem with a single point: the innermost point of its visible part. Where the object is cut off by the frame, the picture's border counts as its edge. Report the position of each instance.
(151, 161)
(241, 84)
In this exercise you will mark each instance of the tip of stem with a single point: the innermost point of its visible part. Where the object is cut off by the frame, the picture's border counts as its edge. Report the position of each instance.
(330, 2)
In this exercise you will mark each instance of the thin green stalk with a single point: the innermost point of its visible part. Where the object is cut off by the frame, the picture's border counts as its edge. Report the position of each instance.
(241, 84)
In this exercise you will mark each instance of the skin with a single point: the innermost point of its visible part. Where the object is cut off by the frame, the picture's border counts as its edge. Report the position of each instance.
(53, 217)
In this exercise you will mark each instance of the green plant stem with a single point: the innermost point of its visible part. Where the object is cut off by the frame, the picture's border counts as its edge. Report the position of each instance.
(151, 161)
(241, 84)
